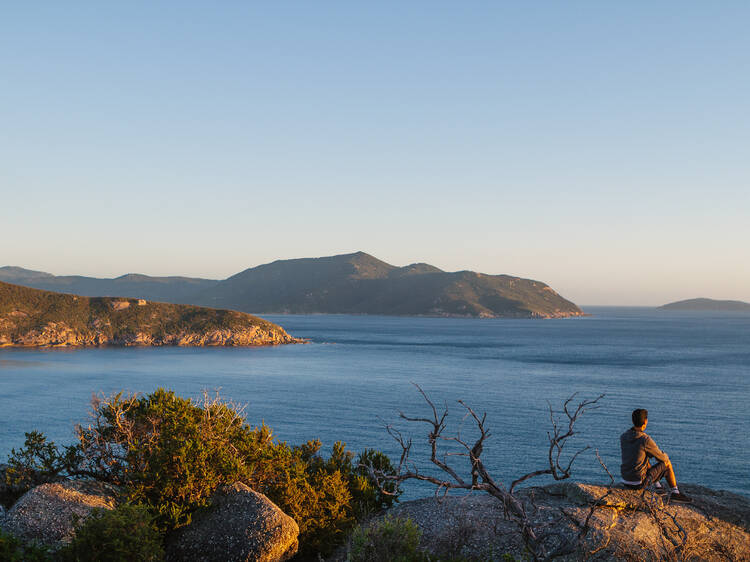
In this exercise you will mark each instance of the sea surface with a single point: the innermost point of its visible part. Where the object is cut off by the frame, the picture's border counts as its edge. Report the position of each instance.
(690, 370)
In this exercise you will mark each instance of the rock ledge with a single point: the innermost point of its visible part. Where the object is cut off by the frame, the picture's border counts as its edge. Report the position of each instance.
(626, 524)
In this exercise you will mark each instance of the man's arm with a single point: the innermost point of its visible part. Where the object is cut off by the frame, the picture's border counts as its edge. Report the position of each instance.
(652, 450)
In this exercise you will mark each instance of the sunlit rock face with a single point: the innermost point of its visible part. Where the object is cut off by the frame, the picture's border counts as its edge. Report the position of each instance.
(34, 318)
(588, 522)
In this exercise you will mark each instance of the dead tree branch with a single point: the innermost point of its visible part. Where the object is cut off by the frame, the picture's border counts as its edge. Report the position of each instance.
(558, 438)
(478, 477)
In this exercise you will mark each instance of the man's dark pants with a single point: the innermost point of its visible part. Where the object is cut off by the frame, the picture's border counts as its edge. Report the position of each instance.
(655, 473)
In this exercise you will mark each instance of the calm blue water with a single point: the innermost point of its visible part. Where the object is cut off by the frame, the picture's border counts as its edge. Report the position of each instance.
(691, 371)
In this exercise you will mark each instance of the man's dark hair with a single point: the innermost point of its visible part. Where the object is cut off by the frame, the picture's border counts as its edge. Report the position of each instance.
(639, 417)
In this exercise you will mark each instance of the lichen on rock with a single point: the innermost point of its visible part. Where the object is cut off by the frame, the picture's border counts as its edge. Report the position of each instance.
(240, 525)
(48, 514)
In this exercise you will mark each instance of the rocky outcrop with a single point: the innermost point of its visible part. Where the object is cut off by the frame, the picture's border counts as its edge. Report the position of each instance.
(49, 513)
(33, 318)
(59, 334)
(240, 525)
(613, 523)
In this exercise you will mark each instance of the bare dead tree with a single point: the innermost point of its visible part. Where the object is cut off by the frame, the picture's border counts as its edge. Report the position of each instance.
(558, 438)
(479, 477)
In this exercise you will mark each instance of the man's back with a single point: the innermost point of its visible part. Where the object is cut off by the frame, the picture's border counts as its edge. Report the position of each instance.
(637, 447)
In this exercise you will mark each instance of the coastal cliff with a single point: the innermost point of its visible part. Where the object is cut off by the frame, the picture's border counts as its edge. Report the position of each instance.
(35, 318)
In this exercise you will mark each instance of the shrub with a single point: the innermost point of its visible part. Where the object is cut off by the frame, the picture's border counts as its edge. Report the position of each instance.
(368, 498)
(390, 539)
(315, 493)
(13, 550)
(397, 539)
(326, 496)
(170, 454)
(37, 462)
(124, 534)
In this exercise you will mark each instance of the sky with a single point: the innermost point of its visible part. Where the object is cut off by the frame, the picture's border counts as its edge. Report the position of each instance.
(600, 147)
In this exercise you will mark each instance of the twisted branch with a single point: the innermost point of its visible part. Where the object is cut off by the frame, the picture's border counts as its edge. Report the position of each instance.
(480, 477)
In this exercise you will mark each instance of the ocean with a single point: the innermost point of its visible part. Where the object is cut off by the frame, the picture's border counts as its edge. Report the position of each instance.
(690, 370)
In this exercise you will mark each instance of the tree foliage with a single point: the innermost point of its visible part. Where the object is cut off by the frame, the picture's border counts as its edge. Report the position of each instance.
(390, 539)
(37, 462)
(169, 454)
(120, 535)
(14, 550)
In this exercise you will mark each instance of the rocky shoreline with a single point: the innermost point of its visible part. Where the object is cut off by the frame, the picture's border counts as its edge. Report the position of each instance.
(60, 335)
(35, 318)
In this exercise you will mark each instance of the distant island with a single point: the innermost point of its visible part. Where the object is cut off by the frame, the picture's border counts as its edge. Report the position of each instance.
(708, 305)
(36, 318)
(355, 283)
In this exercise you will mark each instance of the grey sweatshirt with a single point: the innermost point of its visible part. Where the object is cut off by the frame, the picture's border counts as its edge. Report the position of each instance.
(637, 447)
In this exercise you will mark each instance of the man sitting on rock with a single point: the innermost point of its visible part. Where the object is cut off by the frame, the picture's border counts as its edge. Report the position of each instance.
(637, 471)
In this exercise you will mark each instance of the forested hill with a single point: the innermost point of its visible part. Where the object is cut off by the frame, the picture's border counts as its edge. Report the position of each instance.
(355, 283)
(31, 317)
(362, 284)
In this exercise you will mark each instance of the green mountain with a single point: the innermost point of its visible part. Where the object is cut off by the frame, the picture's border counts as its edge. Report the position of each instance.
(163, 289)
(708, 305)
(351, 283)
(362, 284)
(32, 317)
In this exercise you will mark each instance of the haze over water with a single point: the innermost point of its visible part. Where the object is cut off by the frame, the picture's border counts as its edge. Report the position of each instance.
(689, 370)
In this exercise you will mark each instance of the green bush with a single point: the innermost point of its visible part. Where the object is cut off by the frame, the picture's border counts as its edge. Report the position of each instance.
(13, 550)
(170, 454)
(37, 462)
(368, 498)
(388, 540)
(123, 534)
(397, 539)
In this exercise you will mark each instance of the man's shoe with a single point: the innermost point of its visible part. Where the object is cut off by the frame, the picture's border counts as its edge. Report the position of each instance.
(677, 497)
(661, 490)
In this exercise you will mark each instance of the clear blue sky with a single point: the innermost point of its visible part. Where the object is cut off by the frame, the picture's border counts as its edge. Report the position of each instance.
(601, 147)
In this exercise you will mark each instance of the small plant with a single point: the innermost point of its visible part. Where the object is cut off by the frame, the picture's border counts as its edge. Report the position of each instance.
(120, 535)
(13, 550)
(391, 539)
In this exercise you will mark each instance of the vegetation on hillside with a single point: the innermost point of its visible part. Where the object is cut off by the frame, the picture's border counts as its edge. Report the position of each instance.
(107, 319)
(361, 284)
